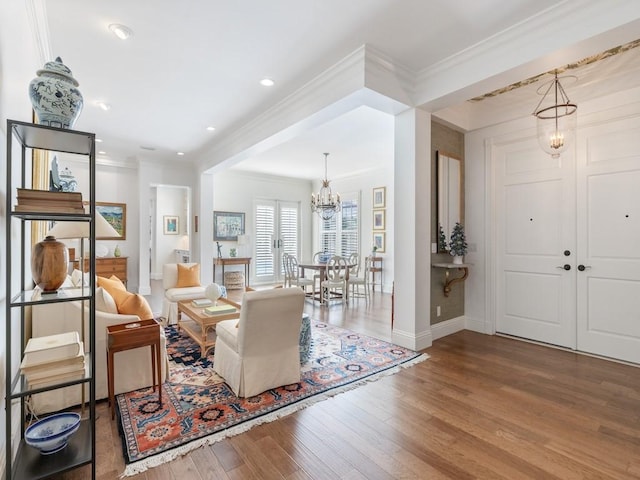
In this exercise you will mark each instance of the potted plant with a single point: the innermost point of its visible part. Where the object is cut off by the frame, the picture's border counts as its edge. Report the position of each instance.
(374, 250)
(442, 240)
(458, 243)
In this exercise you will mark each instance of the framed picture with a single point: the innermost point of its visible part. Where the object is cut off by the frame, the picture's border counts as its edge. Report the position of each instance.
(378, 219)
(227, 225)
(171, 225)
(116, 215)
(378, 241)
(379, 194)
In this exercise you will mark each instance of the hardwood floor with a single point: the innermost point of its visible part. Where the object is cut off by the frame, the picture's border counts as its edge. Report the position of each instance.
(482, 407)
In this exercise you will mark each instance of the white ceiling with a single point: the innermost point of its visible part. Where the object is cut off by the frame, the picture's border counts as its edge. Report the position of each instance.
(195, 64)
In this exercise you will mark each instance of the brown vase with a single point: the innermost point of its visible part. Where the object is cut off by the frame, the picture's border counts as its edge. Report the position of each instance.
(49, 263)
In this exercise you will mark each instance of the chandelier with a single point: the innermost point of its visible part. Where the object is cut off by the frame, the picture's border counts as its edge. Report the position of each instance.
(556, 122)
(325, 203)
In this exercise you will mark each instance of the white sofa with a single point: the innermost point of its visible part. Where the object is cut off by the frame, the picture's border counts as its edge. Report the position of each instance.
(132, 367)
(173, 294)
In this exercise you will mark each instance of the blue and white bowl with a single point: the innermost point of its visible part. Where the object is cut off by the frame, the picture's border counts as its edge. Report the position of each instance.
(51, 434)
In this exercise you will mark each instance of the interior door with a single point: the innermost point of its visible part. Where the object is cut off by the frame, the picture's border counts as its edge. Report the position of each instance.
(608, 282)
(535, 244)
(277, 233)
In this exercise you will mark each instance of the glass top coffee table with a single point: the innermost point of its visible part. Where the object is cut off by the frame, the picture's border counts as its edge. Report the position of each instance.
(198, 324)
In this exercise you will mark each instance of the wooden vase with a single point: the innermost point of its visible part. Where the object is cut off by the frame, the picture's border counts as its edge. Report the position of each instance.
(49, 263)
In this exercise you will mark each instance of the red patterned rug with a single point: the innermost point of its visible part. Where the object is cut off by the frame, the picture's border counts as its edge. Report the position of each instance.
(198, 408)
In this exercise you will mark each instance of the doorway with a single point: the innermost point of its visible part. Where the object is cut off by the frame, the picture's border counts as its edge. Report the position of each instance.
(566, 239)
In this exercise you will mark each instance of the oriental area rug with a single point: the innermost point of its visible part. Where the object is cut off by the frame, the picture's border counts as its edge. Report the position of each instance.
(198, 408)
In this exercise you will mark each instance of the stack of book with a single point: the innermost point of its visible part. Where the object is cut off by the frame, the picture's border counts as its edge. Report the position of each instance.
(45, 201)
(219, 309)
(53, 359)
(201, 302)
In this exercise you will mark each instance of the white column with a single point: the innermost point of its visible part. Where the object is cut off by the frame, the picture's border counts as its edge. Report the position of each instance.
(412, 223)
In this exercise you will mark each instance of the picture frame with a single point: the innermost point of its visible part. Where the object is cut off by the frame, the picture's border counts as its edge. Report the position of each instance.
(171, 224)
(116, 215)
(379, 241)
(227, 225)
(378, 219)
(379, 197)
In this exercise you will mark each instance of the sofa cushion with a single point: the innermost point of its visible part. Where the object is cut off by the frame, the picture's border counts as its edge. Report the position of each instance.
(111, 285)
(188, 275)
(105, 302)
(132, 304)
(187, 293)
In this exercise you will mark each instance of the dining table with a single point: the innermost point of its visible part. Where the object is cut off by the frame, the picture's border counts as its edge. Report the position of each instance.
(321, 268)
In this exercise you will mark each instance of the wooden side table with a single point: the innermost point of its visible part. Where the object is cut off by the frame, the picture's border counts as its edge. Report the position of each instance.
(126, 336)
(224, 261)
(376, 267)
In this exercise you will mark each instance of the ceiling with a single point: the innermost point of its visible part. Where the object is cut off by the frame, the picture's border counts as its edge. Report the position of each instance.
(198, 64)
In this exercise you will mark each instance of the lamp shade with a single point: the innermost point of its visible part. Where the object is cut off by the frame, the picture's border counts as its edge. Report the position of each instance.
(81, 229)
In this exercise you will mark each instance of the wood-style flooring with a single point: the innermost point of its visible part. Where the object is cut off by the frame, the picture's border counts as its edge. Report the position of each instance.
(482, 407)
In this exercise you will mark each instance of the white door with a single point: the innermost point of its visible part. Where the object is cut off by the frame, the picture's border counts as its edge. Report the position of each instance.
(594, 306)
(277, 225)
(535, 239)
(609, 240)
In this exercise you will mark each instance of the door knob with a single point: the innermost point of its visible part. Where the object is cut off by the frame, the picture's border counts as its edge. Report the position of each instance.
(582, 268)
(566, 266)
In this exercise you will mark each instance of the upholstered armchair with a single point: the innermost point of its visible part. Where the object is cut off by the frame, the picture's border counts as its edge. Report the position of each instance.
(261, 350)
(181, 281)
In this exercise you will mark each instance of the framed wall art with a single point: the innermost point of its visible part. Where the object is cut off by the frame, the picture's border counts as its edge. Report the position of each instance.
(227, 225)
(378, 219)
(378, 241)
(116, 215)
(379, 194)
(171, 225)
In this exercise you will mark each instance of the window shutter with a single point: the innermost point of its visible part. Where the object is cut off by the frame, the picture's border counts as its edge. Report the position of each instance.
(265, 221)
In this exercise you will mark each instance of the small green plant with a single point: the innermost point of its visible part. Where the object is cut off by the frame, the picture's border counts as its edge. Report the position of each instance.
(442, 240)
(458, 242)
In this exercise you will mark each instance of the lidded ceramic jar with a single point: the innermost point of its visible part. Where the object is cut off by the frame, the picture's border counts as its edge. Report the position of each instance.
(49, 263)
(54, 96)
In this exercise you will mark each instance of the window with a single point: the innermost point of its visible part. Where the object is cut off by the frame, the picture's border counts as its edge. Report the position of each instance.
(340, 234)
(277, 233)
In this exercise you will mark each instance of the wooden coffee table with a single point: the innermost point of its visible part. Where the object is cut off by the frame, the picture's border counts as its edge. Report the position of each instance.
(198, 324)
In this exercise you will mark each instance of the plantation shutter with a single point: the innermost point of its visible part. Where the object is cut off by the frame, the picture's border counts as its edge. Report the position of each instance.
(349, 241)
(288, 231)
(265, 225)
(340, 235)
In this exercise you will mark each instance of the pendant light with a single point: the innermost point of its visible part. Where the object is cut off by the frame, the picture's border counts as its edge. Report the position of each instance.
(556, 122)
(325, 203)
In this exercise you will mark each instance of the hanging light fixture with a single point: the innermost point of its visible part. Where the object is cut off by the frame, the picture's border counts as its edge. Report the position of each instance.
(325, 203)
(556, 123)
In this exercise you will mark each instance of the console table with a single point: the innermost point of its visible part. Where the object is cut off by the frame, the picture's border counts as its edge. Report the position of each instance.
(376, 267)
(224, 261)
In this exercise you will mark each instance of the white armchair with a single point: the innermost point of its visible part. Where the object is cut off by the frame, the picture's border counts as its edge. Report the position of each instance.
(174, 294)
(261, 350)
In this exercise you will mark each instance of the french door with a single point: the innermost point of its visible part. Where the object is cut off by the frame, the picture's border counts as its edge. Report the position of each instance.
(567, 236)
(277, 232)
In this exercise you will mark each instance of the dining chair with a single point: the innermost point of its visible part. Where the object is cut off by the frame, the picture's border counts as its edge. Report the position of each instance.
(359, 286)
(297, 280)
(354, 262)
(287, 270)
(335, 284)
(317, 277)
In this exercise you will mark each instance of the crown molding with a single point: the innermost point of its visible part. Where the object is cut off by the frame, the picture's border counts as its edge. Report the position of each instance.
(37, 17)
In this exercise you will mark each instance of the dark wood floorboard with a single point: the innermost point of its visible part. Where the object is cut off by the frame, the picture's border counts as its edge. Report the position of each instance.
(482, 407)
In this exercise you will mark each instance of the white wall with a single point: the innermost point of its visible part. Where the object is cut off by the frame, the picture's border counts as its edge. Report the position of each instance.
(169, 201)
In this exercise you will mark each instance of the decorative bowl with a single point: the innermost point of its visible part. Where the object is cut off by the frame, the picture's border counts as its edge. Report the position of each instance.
(51, 434)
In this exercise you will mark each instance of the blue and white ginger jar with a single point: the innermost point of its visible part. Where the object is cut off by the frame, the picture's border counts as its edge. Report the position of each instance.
(54, 96)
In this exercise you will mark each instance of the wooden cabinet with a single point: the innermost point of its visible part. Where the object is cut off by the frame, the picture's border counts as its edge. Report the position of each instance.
(107, 266)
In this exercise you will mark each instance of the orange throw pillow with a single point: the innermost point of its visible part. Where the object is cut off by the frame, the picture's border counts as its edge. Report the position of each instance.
(188, 276)
(111, 285)
(132, 304)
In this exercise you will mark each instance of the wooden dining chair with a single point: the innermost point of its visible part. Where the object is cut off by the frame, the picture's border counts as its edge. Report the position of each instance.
(297, 280)
(335, 285)
(359, 286)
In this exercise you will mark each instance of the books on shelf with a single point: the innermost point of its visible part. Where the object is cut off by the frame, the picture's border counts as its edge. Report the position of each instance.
(60, 367)
(201, 302)
(45, 201)
(51, 348)
(219, 309)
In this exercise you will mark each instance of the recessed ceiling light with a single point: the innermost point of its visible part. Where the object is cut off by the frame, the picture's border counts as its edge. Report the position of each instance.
(102, 152)
(121, 31)
(211, 129)
(104, 106)
(180, 153)
(98, 140)
(267, 82)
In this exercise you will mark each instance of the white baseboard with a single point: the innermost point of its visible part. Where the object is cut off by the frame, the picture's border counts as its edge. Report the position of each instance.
(476, 325)
(447, 327)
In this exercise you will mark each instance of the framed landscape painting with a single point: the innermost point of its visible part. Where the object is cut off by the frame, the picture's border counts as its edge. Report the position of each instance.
(116, 215)
(378, 219)
(227, 225)
(378, 241)
(379, 194)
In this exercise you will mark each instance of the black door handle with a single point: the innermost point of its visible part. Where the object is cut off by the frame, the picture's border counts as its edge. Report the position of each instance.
(566, 266)
(582, 268)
